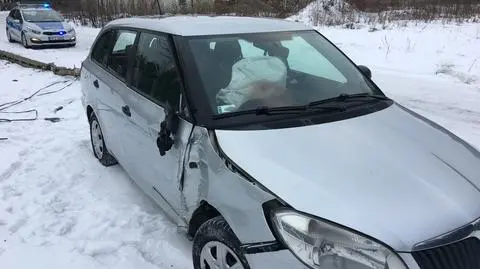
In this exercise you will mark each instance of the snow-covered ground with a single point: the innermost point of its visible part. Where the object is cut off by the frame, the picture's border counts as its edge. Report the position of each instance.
(60, 208)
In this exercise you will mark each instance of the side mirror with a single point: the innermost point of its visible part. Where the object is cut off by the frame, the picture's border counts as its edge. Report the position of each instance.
(168, 127)
(365, 70)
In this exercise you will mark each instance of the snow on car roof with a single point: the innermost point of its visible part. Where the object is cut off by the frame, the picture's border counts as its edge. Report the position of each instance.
(210, 25)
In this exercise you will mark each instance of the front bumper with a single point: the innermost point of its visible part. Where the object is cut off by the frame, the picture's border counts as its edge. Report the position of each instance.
(40, 39)
(285, 259)
(274, 260)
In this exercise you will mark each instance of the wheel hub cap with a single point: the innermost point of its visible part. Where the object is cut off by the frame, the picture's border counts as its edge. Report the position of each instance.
(216, 255)
(97, 139)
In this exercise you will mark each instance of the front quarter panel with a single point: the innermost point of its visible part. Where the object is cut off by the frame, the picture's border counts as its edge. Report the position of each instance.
(238, 200)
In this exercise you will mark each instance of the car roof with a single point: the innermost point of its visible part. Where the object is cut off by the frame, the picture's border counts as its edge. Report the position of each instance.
(209, 25)
(33, 8)
(36, 8)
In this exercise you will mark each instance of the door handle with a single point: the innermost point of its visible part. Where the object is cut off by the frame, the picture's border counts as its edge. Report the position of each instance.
(126, 111)
(193, 165)
(95, 83)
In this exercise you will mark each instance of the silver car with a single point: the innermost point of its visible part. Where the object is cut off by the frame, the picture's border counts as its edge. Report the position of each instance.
(271, 149)
(38, 25)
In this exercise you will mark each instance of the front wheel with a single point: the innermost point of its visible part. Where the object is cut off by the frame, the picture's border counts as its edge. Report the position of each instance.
(24, 41)
(215, 246)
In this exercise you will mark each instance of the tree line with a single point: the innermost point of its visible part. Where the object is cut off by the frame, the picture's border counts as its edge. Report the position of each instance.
(99, 12)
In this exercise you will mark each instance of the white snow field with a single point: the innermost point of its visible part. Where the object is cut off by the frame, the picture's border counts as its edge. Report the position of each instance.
(59, 208)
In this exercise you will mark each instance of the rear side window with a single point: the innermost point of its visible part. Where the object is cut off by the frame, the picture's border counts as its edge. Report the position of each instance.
(121, 52)
(155, 73)
(101, 48)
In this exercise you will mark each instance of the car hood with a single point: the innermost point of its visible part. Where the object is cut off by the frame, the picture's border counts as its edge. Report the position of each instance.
(391, 174)
(51, 25)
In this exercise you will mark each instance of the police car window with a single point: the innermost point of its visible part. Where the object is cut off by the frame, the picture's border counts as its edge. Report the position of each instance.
(16, 14)
(42, 15)
(155, 72)
(119, 57)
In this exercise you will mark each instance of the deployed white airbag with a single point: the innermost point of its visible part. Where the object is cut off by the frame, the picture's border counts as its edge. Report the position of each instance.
(252, 78)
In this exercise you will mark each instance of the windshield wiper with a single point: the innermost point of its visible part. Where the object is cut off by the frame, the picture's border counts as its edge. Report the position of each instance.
(269, 111)
(348, 97)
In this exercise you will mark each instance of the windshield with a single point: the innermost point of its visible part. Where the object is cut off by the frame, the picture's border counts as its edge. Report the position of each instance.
(245, 71)
(42, 15)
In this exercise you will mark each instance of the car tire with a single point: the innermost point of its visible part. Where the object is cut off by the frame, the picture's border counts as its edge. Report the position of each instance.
(99, 148)
(215, 234)
(9, 36)
(24, 41)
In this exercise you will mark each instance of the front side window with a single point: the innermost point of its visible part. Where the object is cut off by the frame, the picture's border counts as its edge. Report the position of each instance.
(155, 72)
(16, 15)
(245, 71)
(120, 55)
(42, 15)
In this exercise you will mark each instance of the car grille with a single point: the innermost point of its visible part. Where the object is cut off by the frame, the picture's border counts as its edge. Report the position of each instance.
(52, 41)
(461, 255)
(51, 33)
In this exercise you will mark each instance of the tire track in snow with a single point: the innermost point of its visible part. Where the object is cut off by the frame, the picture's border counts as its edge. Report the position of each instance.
(10, 170)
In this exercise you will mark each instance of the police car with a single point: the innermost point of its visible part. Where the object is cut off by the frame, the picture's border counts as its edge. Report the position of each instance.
(38, 24)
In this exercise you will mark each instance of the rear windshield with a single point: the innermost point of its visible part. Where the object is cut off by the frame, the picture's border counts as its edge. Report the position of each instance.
(42, 15)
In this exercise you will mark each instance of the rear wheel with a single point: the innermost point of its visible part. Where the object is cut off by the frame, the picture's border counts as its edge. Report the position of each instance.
(215, 246)
(9, 36)
(98, 143)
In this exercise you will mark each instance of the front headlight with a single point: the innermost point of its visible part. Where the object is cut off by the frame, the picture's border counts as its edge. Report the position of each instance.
(33, 30)
(72, 30)
(321, 245)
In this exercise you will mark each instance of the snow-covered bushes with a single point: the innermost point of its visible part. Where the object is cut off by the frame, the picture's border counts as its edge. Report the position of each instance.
(352, 13)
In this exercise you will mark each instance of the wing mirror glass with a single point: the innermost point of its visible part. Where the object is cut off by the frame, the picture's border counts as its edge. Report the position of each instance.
(365, 70)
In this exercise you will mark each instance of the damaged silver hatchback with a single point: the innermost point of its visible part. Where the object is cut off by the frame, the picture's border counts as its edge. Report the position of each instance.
(271, 149)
